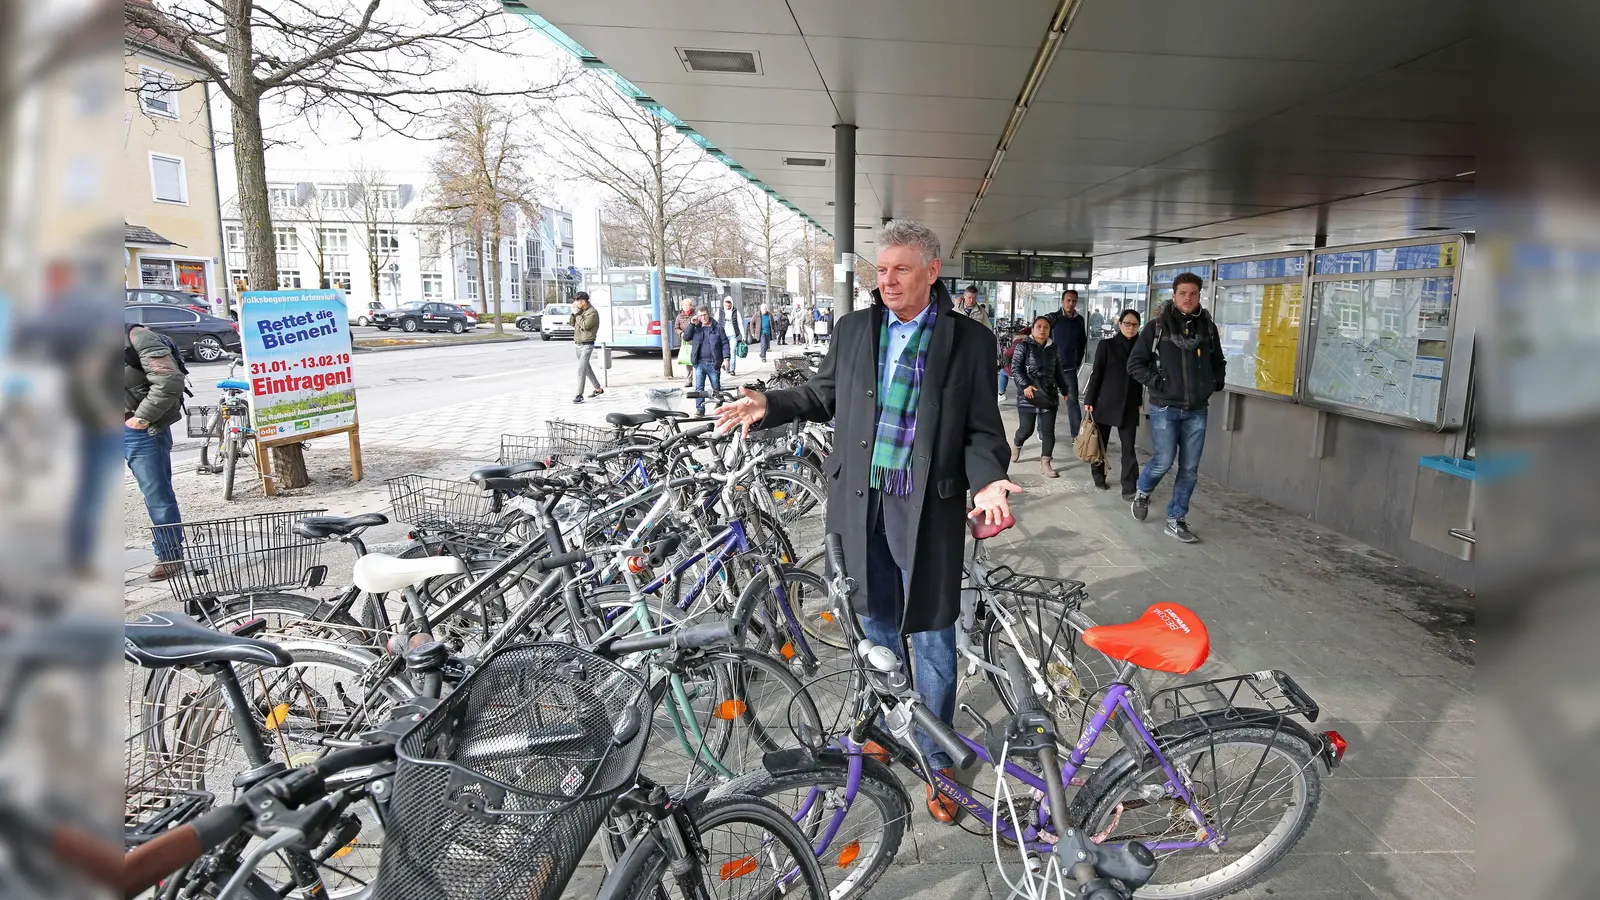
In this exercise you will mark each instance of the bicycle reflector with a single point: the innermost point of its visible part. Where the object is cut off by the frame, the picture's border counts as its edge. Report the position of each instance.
(637, 564)
(738, 868)
(1333, 747)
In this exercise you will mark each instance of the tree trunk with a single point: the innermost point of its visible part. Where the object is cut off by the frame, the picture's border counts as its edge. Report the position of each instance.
(494, 241)
(668, 314)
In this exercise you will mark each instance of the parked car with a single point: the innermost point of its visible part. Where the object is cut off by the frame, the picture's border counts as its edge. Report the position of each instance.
(361, 313)
(200, 337)
(430, 316)
(556, 322)
(169, 297)
(529, 321)
(472, 314)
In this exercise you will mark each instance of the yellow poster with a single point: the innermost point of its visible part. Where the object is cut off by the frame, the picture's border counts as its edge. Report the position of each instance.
(1278, 338)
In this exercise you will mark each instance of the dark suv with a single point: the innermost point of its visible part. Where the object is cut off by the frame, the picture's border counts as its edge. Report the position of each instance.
(169, 297)
(423, 317)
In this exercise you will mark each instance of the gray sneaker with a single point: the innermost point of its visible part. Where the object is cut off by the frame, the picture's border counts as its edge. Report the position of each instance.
(1179, 529)
(1141, 506)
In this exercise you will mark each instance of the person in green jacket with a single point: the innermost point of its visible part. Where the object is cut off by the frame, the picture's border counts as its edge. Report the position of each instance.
(585, 328)
(152, 382)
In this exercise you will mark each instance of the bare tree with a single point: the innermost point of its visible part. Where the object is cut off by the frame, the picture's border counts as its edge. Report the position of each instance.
(815, 253)
(641, 160)
(626, 237)
(480, 180)
(772, 232)
(374, 203)
(380, 63)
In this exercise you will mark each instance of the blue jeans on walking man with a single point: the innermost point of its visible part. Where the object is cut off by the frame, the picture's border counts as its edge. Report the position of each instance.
(149, 455)
(97, 459)
(1176, 435)
(706, 372)
(933, 653)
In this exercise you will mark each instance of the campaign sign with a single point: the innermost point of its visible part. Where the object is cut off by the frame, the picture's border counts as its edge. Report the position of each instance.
(297, 353)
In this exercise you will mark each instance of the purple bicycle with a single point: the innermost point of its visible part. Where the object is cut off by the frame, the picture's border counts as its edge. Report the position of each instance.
(1213, 796)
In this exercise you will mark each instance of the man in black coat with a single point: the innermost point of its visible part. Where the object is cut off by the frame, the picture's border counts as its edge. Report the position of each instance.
(898, 489)
(1178, 358)
(1070, 333)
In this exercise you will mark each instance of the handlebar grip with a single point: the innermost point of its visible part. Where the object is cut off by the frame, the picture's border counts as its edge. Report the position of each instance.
(155, 859)
(836, 553)
(1021, 684)
(696, 395)
(682, 436)
(943, 735)
(704, 634)
(557, 560)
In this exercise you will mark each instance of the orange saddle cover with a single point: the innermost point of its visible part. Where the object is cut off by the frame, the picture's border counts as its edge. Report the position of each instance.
(1167, 638)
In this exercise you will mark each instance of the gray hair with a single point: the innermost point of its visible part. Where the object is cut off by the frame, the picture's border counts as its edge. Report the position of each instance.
(910, 233)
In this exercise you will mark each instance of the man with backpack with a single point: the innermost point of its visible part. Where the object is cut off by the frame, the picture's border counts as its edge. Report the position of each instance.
(1178, 358)
(152, 391)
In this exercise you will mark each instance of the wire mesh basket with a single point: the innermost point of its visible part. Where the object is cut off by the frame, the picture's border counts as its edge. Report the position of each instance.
(521, 448)
(201, 421)
(500, 789)
(422, 501)
(580, 438)
(239, 555)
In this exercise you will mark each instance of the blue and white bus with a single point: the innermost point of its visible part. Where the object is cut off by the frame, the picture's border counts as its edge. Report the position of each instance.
(629, 303)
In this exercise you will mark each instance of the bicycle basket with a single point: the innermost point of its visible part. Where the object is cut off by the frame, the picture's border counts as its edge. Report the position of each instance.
(580, 438)
(200, 421)
(520, 448)
(425, 502)
(500, 789)
(229, 557)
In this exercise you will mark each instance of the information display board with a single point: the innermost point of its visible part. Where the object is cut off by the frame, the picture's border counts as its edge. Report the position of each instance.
(1161, 283)
(1381, 329)
(1257, 309)
(1061, 269)
(297, 356)
(994, 266)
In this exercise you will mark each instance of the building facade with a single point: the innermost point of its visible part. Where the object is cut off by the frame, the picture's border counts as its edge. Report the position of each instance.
(172, 236)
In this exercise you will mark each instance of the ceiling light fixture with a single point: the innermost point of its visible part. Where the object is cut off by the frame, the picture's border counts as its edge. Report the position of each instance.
(806, 161)
(721, 62)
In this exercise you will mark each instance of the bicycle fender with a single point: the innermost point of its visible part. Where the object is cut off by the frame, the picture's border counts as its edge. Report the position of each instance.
(1125, 759)
(628, 867)
(798, 760)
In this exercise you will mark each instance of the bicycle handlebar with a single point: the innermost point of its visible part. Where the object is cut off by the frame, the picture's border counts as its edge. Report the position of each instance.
(559, 560)
(943, 735)
(1021, 684)
(693, 637)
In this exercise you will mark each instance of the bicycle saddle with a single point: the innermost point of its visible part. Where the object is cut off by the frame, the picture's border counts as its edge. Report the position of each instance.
(318, 527)
(488, 472)
(629, 420)
(233, 384)
(161, 640)
(1167, 638)
(982, 531)
(660, 413)
(378, 573)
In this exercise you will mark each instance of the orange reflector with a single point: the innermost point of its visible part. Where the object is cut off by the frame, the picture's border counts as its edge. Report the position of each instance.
(738, 868)
(787, 650)
(728, 710)
(827, 616)
(779, 495)
(849, 853)
(636, 564)
(344, 851)
(278, 716)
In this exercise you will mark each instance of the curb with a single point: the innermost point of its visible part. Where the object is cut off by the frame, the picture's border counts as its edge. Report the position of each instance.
(423, 345)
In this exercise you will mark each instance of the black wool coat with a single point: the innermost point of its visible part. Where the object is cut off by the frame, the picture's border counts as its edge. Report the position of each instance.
(960, 446)
(1113, 393)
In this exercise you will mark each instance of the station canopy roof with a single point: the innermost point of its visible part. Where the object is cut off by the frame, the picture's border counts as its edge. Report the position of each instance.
(1200, 129)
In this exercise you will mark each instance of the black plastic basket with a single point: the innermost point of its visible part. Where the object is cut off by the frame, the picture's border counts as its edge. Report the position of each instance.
(425, 502)
(501, 788)
(241, 555)
(580, 438)
(200, 421)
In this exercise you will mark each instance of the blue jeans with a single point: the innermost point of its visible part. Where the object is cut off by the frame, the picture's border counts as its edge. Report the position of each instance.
(97, 458)
(704, 372)
(1005, 379)
(766, 341)
(1175, 435)
(933, 669)
(149, 457)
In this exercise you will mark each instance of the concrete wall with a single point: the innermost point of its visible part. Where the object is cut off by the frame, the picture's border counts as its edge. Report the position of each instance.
(1362, 485)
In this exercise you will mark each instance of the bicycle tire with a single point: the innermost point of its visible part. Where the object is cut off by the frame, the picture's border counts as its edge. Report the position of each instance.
(230, 462)
(1099, 801)
(655, 882)
(215, 431)
(878, 787)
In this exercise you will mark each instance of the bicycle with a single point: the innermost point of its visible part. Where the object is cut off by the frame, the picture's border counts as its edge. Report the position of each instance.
(228, 425)
(1155, 790)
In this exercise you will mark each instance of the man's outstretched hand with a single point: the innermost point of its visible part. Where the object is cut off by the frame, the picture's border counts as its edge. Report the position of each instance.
(991, 502)
(744, 412)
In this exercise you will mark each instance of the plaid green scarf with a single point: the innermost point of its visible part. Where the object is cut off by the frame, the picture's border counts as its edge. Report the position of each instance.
(897, 407)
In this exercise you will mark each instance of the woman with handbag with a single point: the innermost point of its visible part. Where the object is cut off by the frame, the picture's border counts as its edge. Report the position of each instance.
(1112, 400)
(1036, 368)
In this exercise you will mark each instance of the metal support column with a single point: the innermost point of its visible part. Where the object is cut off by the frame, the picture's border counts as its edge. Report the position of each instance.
(844, 218)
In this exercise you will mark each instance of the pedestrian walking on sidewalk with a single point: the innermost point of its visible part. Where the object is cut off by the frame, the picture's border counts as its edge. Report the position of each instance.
(906, 383)
(152, 394)
(783, 326)
(1008, 348)
(1036, 367)
(733, 329)
(585, 328)
(1178, 358)
(709, 354)
(1112, 399)
(1070, 331)
(761, 327)
(972, 309)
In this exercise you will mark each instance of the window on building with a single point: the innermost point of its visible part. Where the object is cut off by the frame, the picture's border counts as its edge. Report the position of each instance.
(168, 183)
(385, 198)
(157, 273)
(515, 290)
(233, 244)
(534, 262)
(158, 92)
(240, 279)
(282, 196)
(1349, 316)
(472, 250)
(472, 285)
(432, 287)
(511, 250)
(288, 245)
(288, 279)
(384, 240)
(566, 229)
(488, 249)
(389, 281)
(428, 250)
(333, 198)
(338, 278)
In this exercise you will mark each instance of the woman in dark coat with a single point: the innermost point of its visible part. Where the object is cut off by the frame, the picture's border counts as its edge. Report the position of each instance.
(1112, 399)
(1036, 368)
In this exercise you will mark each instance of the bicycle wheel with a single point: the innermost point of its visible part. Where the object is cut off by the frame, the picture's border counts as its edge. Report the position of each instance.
(791, 490)
(213, 433)
(1259, 786)
(855, 839)
(749, 848)
(288, 615)
(1076, 675)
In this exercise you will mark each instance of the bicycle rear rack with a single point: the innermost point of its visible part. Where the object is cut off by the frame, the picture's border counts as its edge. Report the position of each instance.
(1251, 698)
(1071, 594)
